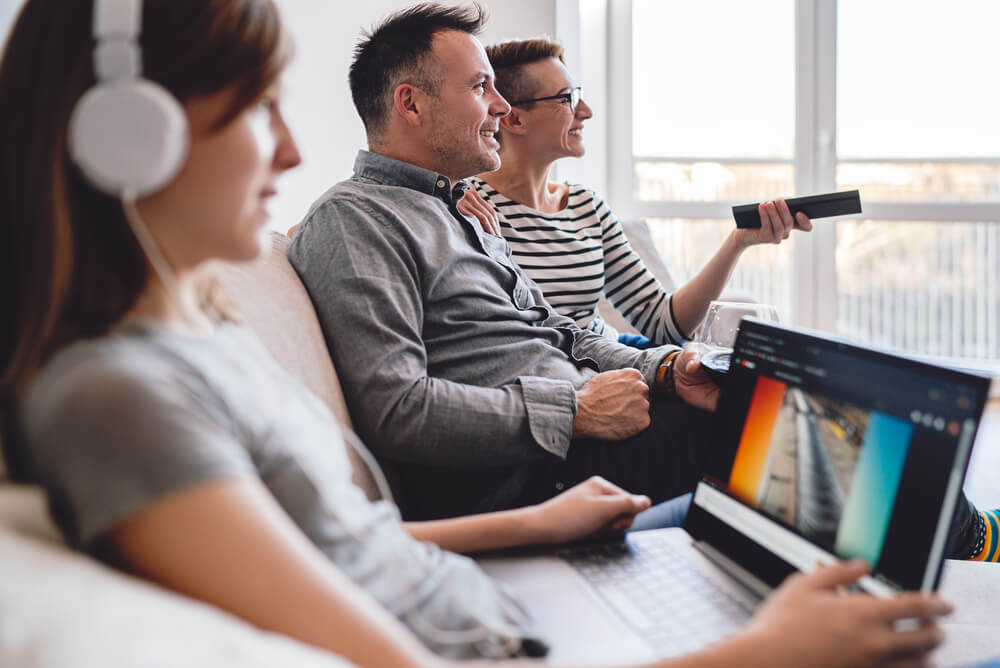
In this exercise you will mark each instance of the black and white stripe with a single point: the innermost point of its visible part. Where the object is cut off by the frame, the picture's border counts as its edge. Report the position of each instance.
(579, 252)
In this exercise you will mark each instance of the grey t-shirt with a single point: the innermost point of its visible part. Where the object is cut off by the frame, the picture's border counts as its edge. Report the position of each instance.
(114, 424)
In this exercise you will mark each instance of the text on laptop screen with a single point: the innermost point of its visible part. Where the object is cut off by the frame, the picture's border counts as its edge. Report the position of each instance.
(851, 449)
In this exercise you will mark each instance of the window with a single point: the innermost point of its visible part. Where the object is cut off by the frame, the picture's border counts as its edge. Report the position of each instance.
(725, 102)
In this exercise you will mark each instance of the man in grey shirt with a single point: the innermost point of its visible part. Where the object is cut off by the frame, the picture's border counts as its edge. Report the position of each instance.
(472, 390)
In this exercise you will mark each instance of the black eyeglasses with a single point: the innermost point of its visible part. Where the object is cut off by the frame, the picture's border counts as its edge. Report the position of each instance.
(573, 97)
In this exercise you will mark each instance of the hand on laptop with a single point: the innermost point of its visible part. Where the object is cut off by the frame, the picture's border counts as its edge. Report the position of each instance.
(584, 509)
(612, 405)
(811, 621)
(691, 382)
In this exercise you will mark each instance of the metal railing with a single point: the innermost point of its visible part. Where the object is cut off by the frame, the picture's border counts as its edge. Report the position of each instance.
(921, 287)
(927, 288)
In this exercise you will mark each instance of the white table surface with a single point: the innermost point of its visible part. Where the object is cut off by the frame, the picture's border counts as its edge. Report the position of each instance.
(973, 631)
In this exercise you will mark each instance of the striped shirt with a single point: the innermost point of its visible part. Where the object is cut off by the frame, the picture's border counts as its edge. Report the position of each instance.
(579, 252)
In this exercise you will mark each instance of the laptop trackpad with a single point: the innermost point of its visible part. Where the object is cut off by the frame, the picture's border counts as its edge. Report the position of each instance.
(576, 622)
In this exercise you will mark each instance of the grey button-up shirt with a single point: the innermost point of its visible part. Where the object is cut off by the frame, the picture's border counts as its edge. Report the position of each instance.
(449, 354)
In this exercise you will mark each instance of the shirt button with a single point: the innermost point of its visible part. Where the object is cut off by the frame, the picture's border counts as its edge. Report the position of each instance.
(560, 486)
(440, 183)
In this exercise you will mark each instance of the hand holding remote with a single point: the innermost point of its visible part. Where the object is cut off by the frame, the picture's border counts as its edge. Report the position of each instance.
(777, 224)
(814, 206)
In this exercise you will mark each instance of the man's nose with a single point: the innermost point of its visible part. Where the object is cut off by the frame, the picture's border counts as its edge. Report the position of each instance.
(499, 107)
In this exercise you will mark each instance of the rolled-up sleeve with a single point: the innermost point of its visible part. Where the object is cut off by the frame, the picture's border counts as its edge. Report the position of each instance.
(366, 284)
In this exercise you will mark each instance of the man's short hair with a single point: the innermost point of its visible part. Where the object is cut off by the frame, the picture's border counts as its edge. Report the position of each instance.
(398, 50)
(508, 60)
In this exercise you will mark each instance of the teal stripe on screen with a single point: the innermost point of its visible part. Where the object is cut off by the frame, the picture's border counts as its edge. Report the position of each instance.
(868, 509)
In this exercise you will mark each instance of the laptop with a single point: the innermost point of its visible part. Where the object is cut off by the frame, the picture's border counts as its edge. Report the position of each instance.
(823, 450)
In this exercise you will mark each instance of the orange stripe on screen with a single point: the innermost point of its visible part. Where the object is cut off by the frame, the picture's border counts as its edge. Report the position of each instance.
(751, 456)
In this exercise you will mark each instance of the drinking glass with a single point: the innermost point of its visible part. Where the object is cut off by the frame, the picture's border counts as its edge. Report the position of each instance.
(718, 331)
(719, 327)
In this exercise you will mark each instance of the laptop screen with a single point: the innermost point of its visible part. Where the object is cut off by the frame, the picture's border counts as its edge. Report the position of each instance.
(842, 451)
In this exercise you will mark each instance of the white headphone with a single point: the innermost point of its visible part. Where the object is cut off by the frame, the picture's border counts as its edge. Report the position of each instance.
(128, 135)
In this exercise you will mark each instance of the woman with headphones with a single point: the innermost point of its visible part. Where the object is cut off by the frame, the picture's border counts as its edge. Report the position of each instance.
(168, 441)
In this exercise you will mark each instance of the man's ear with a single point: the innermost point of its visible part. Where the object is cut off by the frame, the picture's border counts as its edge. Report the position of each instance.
(410, 103)
(514, 122)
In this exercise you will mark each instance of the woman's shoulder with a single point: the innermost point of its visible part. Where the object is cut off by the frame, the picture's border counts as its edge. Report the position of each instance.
(578, 192)
(135, 366)
(105, 373)
(105, 357)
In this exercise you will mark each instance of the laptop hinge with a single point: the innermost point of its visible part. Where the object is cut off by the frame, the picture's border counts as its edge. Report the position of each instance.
(740, 574)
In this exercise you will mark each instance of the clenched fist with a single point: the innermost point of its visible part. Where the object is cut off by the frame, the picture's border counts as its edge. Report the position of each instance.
(612, 406)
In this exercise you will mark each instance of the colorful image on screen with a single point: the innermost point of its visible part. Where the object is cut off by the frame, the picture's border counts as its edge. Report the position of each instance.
(826, 467)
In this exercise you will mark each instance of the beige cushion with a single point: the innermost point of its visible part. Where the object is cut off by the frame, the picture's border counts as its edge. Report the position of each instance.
(23, 508)
(60, 608)
(269, 298)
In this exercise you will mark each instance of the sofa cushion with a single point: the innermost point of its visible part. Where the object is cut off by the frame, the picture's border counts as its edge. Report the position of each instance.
(60, 608)
(268, 297)
(23, 508)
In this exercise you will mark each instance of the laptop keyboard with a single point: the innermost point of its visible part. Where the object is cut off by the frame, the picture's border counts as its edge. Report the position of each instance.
(660, 593)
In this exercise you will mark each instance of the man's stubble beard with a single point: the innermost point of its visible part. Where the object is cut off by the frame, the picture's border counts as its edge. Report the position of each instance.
(457, 160)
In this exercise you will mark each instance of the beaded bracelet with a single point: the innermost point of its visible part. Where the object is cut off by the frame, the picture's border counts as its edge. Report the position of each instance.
(665, 384)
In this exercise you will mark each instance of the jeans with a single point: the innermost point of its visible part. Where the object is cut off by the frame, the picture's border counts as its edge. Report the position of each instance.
(635, 340)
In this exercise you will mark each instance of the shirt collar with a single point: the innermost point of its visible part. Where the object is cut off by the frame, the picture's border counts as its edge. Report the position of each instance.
(392, 172)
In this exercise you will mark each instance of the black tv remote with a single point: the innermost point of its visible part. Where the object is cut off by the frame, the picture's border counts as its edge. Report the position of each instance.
(814, 206)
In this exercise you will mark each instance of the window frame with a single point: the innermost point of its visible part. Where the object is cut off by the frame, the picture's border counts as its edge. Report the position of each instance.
(814, 279)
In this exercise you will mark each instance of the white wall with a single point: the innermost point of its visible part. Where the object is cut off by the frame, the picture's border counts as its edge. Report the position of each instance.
(318, 101)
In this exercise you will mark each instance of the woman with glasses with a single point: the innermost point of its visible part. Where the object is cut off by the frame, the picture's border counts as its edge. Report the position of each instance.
(565, 236)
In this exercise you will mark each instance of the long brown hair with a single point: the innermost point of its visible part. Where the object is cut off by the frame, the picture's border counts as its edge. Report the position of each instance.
(69, 265)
